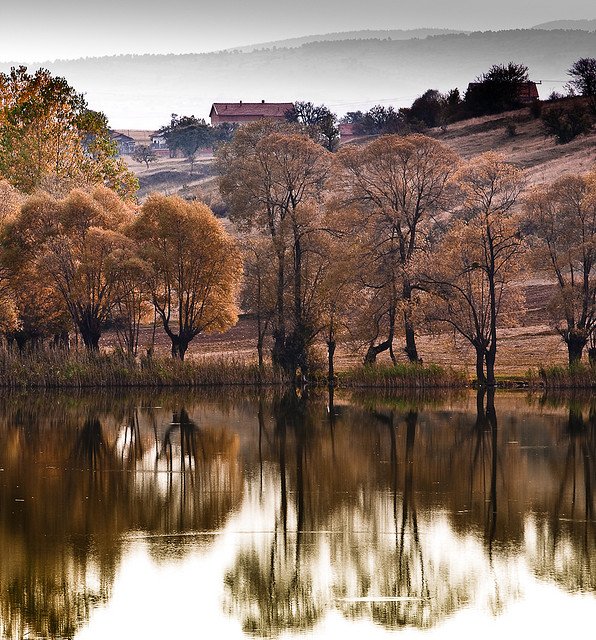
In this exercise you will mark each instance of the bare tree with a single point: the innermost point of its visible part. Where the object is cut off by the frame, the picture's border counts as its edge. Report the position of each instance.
(561, 220)
(472, 269)
(398, 184)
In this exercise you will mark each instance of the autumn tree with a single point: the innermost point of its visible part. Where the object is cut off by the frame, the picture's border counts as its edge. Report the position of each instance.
(399, 184)
(561, 221)
(273, 182)
(50, 139)
(30, 310)
(194, 268)
(69, 245)
(470, 272)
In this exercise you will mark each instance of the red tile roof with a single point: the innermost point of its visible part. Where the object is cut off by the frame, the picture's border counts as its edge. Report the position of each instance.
(257, 109)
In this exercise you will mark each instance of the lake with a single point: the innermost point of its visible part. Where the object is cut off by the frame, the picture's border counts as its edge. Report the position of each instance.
(231, 514)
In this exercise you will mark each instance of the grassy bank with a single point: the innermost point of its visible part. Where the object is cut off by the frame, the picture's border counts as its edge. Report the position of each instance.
(55, 369)
(579, 376)
(80, 370)
(403, 376)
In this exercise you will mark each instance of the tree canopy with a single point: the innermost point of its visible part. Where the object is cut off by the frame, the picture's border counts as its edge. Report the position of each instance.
(194, 269)
(497, 90)
(49, 139)
(583, 79)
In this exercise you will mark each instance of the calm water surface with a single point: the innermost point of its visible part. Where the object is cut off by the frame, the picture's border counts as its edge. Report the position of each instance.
(195, 515)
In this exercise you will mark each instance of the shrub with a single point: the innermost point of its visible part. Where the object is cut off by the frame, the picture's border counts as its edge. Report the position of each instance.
(565, 123)
(579, 376)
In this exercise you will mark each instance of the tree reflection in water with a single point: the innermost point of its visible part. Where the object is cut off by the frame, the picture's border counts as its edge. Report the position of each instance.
(401, 511)
(268, 588)
(77, 479)
(332, 544)
(566, 548)
(354, 491)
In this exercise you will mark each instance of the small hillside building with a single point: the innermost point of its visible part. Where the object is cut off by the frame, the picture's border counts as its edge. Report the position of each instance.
(158, 141)
(349, 131)
(240, 112)
(126, 144)
(527, 92)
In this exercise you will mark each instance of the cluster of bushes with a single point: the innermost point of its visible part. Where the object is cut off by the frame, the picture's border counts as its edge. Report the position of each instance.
(502, 88)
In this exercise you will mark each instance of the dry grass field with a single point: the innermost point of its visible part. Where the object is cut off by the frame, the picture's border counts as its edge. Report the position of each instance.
(521, 348)
(542, 159)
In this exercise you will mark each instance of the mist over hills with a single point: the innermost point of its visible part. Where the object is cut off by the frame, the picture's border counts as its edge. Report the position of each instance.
(365, 34)
(583, 25)
(141, 91)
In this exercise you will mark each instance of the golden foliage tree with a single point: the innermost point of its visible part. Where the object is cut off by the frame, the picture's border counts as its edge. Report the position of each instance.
(399, 184)
(195, 268)
(274, 182)
(561, 220)
(50, 140)
(70, 245)
(472, 268)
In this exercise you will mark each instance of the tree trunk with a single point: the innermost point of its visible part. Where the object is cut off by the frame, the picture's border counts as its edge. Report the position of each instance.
(90, 330)
(411, 350)
(90, 339)
(21, 339)
(179, 347)
(490, 357)
(592, 356)
(576, 342)
(260, 353)
(330, 354)
(279, 333)
(480, 377)
(373, 351)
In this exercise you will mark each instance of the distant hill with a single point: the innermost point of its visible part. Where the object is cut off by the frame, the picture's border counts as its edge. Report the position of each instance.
(582, 25)
(366, 34)
(140, 92)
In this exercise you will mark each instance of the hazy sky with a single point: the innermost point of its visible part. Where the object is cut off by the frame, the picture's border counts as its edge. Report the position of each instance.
(38, 30)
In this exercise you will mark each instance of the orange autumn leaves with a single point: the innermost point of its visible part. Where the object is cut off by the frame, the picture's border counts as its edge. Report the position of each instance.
(95, 260)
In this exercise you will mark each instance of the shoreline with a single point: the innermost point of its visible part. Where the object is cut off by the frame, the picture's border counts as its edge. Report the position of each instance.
(80, 370)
